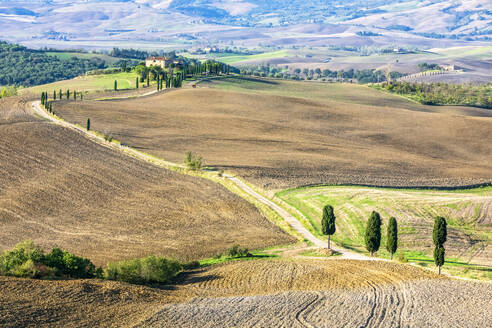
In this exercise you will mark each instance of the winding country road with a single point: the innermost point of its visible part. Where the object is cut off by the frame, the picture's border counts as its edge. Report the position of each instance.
(290, 219)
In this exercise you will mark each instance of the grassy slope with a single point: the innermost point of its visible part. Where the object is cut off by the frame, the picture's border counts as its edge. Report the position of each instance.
(467, 211)
(90, 83)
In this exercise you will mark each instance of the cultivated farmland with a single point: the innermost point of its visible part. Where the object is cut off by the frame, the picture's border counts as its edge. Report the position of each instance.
(288, 293)
(60, 189)
(286, 134)
(468, 213)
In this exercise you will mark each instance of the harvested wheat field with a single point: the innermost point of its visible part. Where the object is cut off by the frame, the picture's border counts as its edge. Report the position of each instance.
(468, 214)
(60, 189)
(260, 293)
(278, 141)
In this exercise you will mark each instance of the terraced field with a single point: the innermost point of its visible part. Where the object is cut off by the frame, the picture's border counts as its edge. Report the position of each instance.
(468, 213)
(60, 189)
(276, 137)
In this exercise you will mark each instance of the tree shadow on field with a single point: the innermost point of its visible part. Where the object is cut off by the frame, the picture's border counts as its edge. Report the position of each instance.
(189, 278)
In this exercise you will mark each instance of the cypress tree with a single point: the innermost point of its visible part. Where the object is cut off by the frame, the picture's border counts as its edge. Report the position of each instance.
(158, 83)
(115, 85)
(68, 94)
(42, 98)
(75, 95)
(81, 96)
(373, 233)
(60, 94)
(54, 95)
(328, 222)
(136, 83)
(148, 79)
(88, 126)
(392, 237)
(439, 235)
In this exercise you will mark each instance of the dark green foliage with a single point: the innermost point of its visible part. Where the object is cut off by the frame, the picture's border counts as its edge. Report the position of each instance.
(150, 269)
(439, 233)
(428, 67)
(439, 254)
(136, 83)
(60, 94)
(392, 237)
(29, 260)
(27, 67)
(193, 162)
(115, 85)
(236, 251)
(88, 125)
(373, 233)
(445, 94)
(54, 95)
(328, 222)
(68, 94)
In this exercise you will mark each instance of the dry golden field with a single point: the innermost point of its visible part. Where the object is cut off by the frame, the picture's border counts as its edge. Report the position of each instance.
(60, 189)
(260, 293)
(278, 141)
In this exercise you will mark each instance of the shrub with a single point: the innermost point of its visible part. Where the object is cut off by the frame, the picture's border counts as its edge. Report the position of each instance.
(150, 269)
(193, 162)
(402, 258)
(108, 137)
(28, 260)
(236, 251)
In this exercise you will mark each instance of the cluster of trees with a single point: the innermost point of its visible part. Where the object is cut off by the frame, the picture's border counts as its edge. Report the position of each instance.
(360, 76)
(444, 93)
(8, 91)
(372, 235)
(428, 67)
(27, 67)
(139, 54)
(29, 261)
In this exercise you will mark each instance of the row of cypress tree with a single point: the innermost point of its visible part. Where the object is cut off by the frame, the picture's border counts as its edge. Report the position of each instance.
(68, 93)
(372, 236)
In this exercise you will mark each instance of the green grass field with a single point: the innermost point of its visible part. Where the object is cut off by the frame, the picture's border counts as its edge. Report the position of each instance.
(67, 55)
(231, 59)
(467, 213)
(89, 83)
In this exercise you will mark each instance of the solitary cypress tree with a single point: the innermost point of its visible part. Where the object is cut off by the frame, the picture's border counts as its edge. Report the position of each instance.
(392, 237)
(373, 233)
(439, 235)
(328, 222)
(136, 83)
(115, 85)
(88, 124)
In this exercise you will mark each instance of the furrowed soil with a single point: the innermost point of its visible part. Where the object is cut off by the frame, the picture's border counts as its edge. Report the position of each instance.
(333, 134)
(60, 189)
(260, 293)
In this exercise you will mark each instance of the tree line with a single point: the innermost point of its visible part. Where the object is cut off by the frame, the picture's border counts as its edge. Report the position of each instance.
(360, 76)
(372, 236)
(478, 95)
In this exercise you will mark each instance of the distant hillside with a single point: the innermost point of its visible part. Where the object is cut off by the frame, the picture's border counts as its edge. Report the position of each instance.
(188, 22)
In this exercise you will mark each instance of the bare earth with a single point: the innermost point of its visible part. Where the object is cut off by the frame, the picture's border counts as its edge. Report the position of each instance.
(277, 141)
(61, 189)
(261, 293)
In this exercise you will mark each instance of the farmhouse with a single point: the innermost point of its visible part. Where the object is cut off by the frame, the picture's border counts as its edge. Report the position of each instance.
(163, 62)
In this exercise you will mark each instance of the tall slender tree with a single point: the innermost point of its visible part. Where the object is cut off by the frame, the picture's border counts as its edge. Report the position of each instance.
(60, 94)
(136, 83)
(439, 236)
(328, 222)
(392, 237)
(115, 85)
(54, 95)
(373, 233)
(88, 126)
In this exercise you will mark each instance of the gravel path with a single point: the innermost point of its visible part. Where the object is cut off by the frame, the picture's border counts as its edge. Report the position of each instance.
(346, 254)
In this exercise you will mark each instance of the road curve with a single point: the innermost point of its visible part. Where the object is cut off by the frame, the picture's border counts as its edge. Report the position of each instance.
(291, 220)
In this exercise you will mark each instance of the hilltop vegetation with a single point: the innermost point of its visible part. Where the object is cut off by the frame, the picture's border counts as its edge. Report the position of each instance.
(22, 66)
(443, 93)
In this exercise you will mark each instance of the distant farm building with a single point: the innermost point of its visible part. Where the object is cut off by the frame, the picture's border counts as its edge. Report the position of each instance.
(163, 62)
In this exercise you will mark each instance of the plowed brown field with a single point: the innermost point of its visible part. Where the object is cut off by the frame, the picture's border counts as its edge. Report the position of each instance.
(278, 141)
(60, 189)
(273, 293)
